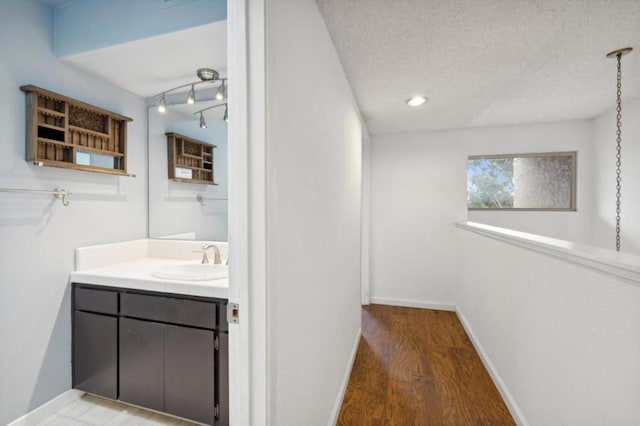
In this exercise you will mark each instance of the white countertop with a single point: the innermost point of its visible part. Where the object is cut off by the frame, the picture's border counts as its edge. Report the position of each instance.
(136, 274)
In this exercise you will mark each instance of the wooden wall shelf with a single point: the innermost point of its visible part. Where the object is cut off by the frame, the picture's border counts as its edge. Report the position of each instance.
(64, 132)
(190, 160)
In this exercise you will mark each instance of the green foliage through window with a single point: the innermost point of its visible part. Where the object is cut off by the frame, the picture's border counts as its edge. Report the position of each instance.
(490, 183)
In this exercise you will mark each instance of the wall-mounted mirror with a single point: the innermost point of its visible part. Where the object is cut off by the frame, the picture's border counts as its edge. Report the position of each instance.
(153, 65)
(179, 208)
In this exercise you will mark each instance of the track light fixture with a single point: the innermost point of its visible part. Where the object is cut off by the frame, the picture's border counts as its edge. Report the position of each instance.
(206, 75)
(191, 97)
(203, 123)
(221, 94)
(162, 106)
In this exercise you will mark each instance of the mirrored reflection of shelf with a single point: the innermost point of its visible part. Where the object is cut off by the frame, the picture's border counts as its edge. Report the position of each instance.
(190, 160)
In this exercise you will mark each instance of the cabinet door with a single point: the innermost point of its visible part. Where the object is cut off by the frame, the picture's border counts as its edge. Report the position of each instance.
(189, 373)
(95, 356)
(223, 379)
(142, 363)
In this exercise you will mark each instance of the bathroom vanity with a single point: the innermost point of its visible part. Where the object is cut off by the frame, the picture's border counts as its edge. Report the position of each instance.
(155, 343)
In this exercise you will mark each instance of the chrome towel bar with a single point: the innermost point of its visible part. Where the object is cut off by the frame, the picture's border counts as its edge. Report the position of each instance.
(58, 193)
(201, 199)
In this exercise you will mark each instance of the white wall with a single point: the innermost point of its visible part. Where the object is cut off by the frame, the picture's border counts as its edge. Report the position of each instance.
(604, 134)
(419, 191)
(546, 137)
(415, 198)
(563, 338)
(38, 235)
(313, 216)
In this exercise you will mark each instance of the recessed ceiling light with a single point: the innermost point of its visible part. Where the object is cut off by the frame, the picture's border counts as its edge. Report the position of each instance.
(416, 101)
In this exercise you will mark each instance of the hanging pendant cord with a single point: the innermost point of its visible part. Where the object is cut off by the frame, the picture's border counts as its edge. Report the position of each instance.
(618, 149)
(618, 55)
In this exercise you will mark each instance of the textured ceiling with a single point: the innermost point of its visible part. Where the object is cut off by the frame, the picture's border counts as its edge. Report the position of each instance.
(152, 65)
(483, 62)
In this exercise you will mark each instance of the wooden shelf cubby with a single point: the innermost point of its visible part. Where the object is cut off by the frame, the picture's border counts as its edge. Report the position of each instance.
(65, 132)
(190, 160)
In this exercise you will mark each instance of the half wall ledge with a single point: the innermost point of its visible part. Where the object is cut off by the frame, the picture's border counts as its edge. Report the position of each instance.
(620, 265)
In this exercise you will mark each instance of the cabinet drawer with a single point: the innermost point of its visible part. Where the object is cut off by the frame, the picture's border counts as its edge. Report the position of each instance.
(102, 301)
(168, 309)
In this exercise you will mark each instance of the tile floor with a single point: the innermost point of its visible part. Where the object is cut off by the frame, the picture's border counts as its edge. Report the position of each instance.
(91, 410)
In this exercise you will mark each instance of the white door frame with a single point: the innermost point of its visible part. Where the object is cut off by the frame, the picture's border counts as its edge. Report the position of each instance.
(247, 211)
(365, 206)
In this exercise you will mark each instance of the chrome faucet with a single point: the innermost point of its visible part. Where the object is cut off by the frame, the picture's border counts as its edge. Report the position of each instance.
(216, 254)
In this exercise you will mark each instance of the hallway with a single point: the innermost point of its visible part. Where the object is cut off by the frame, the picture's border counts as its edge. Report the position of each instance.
(418, 367)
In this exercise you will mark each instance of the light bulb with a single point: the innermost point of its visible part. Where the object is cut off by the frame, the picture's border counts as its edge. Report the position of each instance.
(162, 107)
(416, 101)
(191, 97)
(203, 124)
(220, 95)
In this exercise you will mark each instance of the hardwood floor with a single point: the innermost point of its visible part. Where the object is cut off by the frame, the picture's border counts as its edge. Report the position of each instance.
(418, 367)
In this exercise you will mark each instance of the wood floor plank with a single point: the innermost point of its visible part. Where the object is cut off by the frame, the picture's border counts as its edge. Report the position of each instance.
(418, 367)
(415, 399)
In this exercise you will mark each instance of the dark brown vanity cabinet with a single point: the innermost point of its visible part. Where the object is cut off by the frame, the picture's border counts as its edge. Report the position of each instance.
(164, 352)
(189, 384)
(95, 353)
(141, 374)
(95, 337)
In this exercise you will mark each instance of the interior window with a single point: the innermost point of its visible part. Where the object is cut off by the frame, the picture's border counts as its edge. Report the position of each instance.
(545, 181)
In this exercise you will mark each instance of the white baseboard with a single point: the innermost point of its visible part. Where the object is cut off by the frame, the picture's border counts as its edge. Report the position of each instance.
(47, 409)
(345, 381)
(514, 409)
(414, 304)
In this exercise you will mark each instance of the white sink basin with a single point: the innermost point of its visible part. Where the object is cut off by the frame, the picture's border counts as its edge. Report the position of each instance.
(193, 272)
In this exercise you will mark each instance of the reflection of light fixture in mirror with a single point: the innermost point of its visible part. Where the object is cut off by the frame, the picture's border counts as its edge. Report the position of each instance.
(225, 118)
(162, 107)
(206, 75)
(191, 97)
